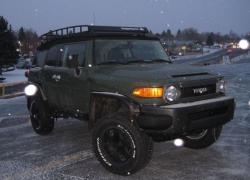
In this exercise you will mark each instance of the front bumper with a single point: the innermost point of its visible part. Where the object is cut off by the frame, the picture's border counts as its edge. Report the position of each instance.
(184, 117)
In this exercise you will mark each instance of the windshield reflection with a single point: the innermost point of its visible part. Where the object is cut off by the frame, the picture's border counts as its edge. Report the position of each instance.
(129, 51)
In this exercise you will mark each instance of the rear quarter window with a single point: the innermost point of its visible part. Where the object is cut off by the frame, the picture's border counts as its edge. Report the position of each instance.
(54, 56)
(40, 58)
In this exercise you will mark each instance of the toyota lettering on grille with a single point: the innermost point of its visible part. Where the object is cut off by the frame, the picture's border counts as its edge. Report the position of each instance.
(200, 90)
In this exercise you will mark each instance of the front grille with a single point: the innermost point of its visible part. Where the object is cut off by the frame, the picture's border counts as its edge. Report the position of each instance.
(187, 92)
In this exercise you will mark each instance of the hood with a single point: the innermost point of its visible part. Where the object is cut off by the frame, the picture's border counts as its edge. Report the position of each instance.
(124, 78)
(151, 72)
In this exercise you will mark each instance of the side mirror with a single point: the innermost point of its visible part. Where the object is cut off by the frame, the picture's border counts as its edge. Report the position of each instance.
(72, 61)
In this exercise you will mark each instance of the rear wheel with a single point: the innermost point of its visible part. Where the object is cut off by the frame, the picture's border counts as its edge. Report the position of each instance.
(41, 120)
(120, 146)
(202, 138)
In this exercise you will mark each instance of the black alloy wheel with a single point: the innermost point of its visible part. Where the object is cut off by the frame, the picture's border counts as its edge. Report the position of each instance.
(120, 146)
(202, 138)
(41, 120)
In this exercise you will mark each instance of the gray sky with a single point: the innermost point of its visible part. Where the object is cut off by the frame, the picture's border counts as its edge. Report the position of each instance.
(205, 15)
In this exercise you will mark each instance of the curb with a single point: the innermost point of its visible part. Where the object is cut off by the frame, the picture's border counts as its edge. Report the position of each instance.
(10, 90)
(12, 95)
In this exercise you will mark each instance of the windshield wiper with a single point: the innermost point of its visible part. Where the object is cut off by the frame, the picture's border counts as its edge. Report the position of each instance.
(110, 62)
(149, 61)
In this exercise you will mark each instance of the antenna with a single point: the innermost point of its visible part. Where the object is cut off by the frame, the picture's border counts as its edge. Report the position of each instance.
(93, 18)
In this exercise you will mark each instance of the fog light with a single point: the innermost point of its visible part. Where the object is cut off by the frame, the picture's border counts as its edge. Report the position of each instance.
(30, 90)
(178, 142)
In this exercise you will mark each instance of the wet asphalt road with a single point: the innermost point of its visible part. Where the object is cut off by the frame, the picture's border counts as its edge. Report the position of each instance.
(67, 154)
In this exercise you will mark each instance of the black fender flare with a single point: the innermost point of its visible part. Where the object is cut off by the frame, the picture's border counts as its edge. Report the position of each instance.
(133, 107)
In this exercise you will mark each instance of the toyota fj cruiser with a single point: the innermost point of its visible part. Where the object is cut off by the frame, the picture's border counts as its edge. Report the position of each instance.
(122, 82)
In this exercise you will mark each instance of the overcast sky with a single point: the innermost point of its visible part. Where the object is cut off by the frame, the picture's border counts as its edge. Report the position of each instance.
(205, 15)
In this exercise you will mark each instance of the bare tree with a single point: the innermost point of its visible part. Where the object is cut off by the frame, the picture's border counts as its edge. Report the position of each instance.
(28, 39)
(8, 44)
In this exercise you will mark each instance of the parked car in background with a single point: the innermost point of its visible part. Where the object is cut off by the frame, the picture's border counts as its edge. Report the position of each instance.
(10, 67)
(24, 63)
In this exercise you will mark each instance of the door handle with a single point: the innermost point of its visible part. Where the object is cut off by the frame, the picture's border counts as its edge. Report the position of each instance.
(56, 77)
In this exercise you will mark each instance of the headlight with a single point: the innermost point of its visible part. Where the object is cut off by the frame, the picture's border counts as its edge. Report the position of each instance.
(30, 90)
(221, 86)
(172, 93)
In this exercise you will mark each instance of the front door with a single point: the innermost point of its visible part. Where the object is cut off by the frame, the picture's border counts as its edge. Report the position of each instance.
(74, 89)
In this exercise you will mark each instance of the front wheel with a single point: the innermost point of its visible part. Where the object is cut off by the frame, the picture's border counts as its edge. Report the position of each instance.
(120, 146)
(41, 121)
(202, 138)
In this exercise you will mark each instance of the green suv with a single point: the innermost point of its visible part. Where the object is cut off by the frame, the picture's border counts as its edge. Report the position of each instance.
(121, 81)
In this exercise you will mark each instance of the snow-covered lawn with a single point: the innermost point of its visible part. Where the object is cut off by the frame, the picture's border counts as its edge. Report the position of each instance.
(14, 76)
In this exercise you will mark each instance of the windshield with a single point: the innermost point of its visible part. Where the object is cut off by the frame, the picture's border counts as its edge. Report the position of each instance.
(126, 51)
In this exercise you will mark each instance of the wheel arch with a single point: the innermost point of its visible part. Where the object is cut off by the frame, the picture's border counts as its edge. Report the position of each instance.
(104, 103)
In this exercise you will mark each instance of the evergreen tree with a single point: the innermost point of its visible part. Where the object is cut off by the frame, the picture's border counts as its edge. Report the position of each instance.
(178, 34)
(210, 39)
(164, 33)
(3, 24)
(8, 44)
(21, 34)
(169, 35)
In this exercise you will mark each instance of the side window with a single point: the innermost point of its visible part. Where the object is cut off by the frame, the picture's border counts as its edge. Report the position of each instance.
(74, 52)
(54, 56)
(40, 58)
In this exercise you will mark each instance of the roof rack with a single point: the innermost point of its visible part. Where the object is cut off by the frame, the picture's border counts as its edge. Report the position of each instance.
(118, 29)
(73, 30)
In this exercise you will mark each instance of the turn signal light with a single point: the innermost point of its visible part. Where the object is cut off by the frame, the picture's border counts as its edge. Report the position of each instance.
(149, 92)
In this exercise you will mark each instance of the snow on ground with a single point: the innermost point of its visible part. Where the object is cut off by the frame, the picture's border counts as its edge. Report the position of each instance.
(206, 51)
(241, 57)
(14, 76)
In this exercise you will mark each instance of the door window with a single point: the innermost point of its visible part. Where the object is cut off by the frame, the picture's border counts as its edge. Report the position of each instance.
(74, 52)
(40, 58)
(54, 56)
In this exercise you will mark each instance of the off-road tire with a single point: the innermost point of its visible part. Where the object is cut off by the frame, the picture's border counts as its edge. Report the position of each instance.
(41, 120)
(141, 145)
(206, 139)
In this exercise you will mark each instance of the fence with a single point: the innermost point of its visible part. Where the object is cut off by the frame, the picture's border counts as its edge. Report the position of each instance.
(12, 89)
